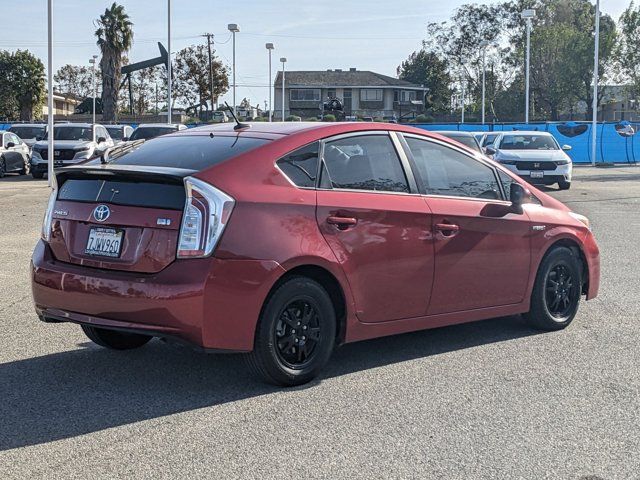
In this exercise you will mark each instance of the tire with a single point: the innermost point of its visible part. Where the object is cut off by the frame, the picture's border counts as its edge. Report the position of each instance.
(3, 167)
(556, 293)
(298, 303)
(114, 339)
(37, 175)
(564, 185)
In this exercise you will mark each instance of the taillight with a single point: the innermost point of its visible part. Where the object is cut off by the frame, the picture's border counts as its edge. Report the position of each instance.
(206, 213)
(48, 216)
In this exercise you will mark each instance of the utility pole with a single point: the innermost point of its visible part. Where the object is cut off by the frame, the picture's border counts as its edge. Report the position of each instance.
(210, 40)
(169, 86)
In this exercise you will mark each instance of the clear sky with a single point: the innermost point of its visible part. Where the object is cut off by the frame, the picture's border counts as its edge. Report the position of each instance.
(313, 35)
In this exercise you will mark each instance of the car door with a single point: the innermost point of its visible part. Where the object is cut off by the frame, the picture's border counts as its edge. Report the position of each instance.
(377, 225)
(22, 150)
(482, 248)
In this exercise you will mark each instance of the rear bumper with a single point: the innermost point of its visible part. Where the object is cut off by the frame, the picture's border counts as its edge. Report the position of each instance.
(209, 302)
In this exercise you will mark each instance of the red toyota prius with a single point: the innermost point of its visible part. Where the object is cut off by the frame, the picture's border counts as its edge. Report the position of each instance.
(285, 240)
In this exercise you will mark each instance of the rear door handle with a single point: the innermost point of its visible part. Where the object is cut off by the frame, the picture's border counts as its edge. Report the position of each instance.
(447, 229)
(342, 222)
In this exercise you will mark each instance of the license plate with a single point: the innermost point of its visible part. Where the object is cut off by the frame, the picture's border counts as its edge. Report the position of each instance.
(537, 174)
(104, 242)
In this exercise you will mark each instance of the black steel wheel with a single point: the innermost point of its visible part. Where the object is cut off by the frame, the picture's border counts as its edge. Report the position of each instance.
(556, 293)
(113, 339)
(295, 335)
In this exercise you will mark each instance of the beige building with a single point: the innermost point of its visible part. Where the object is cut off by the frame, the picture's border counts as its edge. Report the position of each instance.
(62, 105)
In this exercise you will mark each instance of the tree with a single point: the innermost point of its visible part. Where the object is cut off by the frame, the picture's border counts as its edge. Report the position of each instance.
(77, 81)
(192, 74)
(428, 69)
(115, 37)
(627, 53)
(22, 85)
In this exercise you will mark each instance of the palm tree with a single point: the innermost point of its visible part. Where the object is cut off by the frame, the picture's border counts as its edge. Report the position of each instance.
(115, 36)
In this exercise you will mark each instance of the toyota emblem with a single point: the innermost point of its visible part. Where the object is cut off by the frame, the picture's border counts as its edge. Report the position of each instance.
(101, 213)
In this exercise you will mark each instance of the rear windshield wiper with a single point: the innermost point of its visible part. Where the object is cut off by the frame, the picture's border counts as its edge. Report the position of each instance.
(116, 152)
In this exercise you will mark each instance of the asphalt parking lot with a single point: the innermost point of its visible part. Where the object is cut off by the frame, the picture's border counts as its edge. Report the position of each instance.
(493, 399)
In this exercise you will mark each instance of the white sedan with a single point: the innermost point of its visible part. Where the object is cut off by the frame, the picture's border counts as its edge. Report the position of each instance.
(535, 156)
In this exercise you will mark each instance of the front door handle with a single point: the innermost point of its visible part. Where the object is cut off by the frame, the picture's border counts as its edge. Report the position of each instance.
(447, 229)
(342, 222)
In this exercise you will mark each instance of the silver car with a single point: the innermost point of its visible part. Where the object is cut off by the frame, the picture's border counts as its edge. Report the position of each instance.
(73, 143)
(29, 133)
(119, 133)
(14, 154)
(535, 156)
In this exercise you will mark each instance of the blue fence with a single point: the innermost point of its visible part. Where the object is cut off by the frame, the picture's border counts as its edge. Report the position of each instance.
(615, 142)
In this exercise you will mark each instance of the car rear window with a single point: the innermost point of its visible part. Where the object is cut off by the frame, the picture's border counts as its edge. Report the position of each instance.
(147, 133)
(194, 152)
(139, 194)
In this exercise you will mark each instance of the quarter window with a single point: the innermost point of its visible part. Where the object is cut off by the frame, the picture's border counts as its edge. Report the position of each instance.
(364, 162)
(301, 166)
(445, 171)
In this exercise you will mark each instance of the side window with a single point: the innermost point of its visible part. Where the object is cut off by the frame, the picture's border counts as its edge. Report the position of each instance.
(445, 171)
(366, 162)
(301, 165)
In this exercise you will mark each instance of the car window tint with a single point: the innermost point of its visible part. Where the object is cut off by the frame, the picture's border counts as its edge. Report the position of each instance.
(194, 152)
(301, 166)
(445, 171)
(367, 162)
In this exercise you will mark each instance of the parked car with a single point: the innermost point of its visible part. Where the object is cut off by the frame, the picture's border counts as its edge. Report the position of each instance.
(73, 143)
(219, 117)
(485, 138)
(119, 133)
(465, 138)
(147, 131)
(29, 133)
(535, 156)
(14, 154)
(283, 240)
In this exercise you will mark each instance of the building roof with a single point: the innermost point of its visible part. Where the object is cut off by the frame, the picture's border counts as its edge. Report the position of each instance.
(341, 78)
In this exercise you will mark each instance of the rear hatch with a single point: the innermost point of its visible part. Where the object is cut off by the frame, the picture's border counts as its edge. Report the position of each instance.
(118, 217)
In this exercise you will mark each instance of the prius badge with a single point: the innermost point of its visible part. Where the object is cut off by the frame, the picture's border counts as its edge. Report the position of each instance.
(539, 228)
(101, 213)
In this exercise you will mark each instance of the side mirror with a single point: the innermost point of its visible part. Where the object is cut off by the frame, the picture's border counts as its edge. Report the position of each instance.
(518, 195)
(489, 150)
(566, 148)
(125, 139)
(101, 139)
(11, 145)
(39, 138)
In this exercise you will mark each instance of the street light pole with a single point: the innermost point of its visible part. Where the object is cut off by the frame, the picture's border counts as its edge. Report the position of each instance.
(50, 102)
(283, 60)
(527, 15)
(169, 61)
(483, 45)
(594, 123)
(233, 28)
(269, 47)
(92, 61)
(462, 83)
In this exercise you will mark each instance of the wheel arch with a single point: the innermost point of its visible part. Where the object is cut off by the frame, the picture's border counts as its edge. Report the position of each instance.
(329, 282)
(575, 246)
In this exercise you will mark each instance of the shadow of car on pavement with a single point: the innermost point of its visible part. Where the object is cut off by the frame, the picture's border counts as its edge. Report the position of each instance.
(72, 393)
